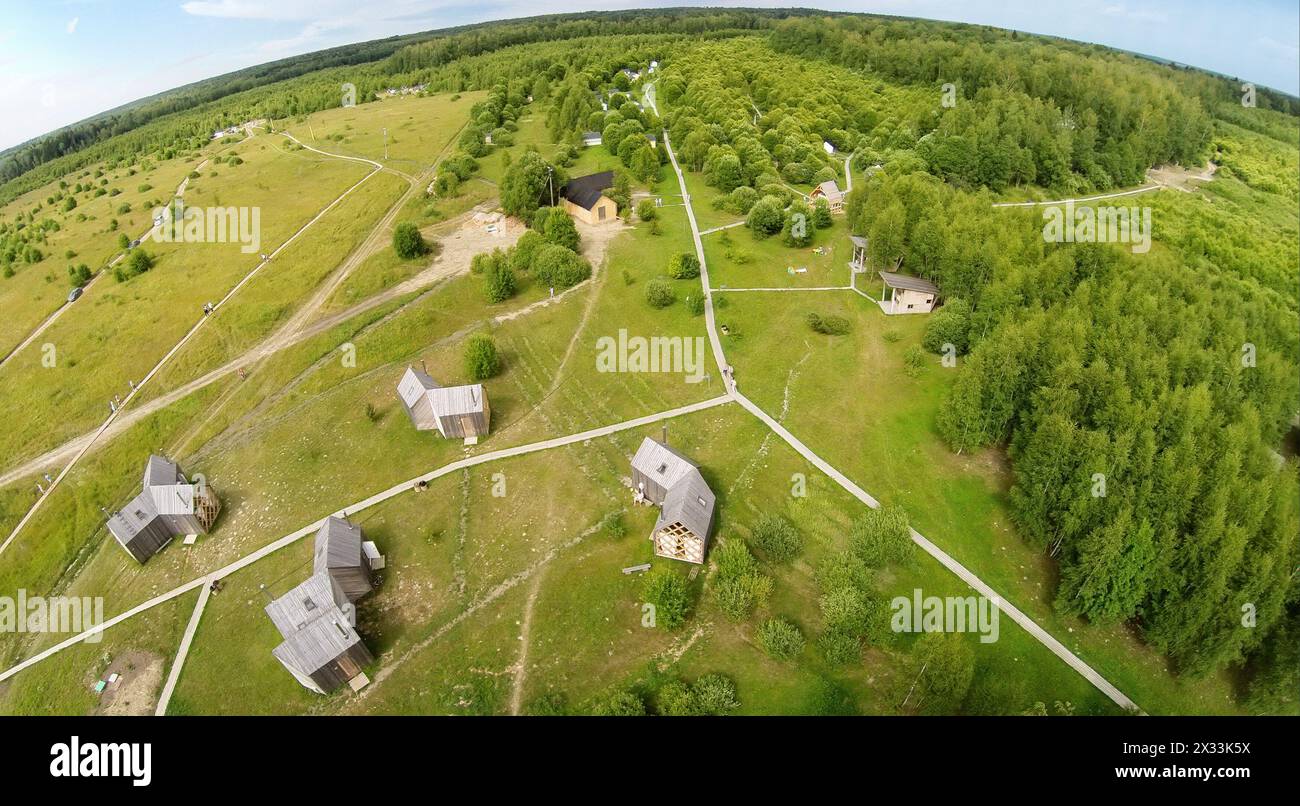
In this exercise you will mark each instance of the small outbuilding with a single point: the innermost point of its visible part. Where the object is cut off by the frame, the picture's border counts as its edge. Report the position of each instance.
(663, 477)
(167, 506)
(591, 139)
(460, 412)
(831, 192)
(321, 646)
(584, 198)
(902, 293)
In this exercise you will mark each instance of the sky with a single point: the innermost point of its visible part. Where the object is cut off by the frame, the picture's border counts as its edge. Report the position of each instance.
(62, 61)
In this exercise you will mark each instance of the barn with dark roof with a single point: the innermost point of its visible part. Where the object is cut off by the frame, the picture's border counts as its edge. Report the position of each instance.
(584, 198)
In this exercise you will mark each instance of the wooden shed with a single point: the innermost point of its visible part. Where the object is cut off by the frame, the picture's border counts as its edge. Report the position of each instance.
(663, 477)
(321, 647)
(453, 411)
(339, 555)
(584, 198)
(902, 293)
(166, 506)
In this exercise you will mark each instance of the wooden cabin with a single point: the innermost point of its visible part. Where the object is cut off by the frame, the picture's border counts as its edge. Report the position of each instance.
(584, 198)
(902, 293)
(321, 647)
(166, 506)
(665, 478)
(460, 412)
(339, 555)
(831, 192)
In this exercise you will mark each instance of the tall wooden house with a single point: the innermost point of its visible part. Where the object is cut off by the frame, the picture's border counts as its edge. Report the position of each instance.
(317, 619)
(460, 412)
(667, 479)
(831, 191)
(167, 506)
(321, 647)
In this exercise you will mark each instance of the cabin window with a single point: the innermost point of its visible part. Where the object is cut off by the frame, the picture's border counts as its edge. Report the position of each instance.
(701, 500)
(663, 468)
(308, 605)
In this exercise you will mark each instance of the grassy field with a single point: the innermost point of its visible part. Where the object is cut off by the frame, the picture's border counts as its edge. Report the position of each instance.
(152, 311)
(882, 435)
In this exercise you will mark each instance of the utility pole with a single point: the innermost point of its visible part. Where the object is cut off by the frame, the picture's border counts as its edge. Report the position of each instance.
(385, 144)
(551, 183)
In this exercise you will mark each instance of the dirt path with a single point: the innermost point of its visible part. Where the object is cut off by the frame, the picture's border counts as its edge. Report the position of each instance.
(525, 636)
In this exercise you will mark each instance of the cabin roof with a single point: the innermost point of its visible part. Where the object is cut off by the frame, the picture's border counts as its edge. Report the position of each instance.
(829, 188)
(307, 602)
(585, 191)
(338, 545)
(689, 502)
(661, 463)
(413, 385)
(318, 643)
(858, 240)
(908, 282)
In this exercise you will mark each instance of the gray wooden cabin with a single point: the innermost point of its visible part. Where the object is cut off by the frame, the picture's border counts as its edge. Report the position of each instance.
(455, 412)
(321, 646)
(662, 476)
(339, 554)
(167, 506)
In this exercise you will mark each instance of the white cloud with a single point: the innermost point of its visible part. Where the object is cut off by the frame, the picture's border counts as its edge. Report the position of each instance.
(72, 25)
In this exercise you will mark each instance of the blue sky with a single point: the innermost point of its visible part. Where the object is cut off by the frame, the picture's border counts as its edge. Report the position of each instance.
(65, 60)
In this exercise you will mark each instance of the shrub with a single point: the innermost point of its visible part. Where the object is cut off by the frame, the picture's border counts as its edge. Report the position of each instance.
(659, 293)
(525, 251)
(797, 231)
(766, 216)
(881, 536)
(556, 227)
(559, 267)
(913, 360)
(948, 325)
(677, 699)
(742, 199)
(777, 538)
(780, 639)
(619, 703)
(840, 647)
(829, 325)
(683, 266)
(715, 694)
(821, 214)
(695, 304)
(646, 211)
(738, 585)
(667, 591)
(408, 243)
(481, 358)
(499, 280)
